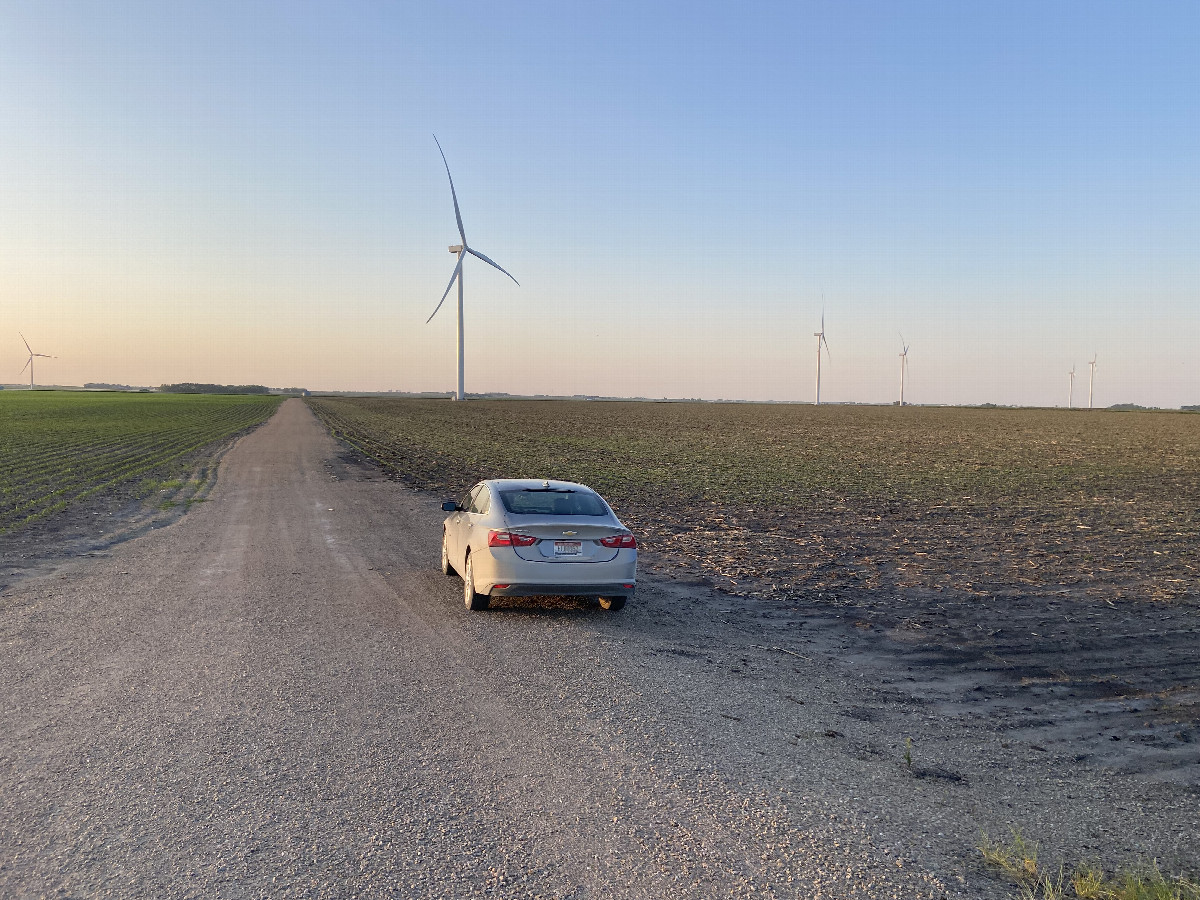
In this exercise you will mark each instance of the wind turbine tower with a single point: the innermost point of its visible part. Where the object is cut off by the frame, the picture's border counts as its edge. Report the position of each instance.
(903, 367)
(1091, 380)
(460, 250)
(1071, 388)
(29, 362)
(820, 336)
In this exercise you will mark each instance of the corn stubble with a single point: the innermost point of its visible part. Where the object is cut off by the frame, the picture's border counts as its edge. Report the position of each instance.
(779, 500)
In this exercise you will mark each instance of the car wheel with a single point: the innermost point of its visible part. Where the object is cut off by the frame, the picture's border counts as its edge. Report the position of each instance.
(471, 599)
(612, 603)
(447, 569)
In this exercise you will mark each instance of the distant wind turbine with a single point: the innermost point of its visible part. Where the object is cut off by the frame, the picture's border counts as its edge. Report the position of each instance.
(460, 250)
(903, 367)
(1091, 380)
(820, 336)
(29, 362)
(1071, 389)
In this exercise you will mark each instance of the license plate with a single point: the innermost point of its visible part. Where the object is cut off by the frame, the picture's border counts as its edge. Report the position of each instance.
(568, 548)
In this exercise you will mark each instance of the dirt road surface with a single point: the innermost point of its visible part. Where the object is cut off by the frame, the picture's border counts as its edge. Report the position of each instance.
(280, 695)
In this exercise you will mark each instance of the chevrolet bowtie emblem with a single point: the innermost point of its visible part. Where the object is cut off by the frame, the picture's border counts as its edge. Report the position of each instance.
(568, 533)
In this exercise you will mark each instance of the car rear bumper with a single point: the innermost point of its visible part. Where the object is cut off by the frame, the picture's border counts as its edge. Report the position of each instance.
(563, 590)
(493, 566)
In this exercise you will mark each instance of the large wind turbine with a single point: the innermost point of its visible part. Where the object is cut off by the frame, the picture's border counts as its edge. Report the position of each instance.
(29, 362)
(903, 367)
(1071, 389)
(460, 250)
(820, 336)
(1091, 380)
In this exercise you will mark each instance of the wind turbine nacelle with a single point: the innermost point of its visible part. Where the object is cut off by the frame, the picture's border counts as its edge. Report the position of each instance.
(456, 248)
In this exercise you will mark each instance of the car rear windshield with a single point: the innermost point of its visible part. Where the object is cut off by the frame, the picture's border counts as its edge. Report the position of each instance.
(552, 503)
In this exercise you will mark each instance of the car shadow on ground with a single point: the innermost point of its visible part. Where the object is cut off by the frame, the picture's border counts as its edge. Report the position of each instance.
(558, 607)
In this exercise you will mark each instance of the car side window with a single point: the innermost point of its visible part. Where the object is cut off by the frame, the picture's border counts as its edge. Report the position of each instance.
(467, 499)
(477, 501)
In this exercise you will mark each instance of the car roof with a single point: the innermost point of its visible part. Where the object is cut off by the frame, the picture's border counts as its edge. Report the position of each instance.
(526, 484)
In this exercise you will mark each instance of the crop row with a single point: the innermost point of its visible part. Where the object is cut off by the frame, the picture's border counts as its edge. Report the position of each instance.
(57, 448)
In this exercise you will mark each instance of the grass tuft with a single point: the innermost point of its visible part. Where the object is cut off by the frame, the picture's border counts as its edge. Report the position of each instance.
(1088, 882)
(1017, 859)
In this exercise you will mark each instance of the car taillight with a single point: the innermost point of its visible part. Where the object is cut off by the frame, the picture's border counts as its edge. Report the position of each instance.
(510, 539)
(620, 541)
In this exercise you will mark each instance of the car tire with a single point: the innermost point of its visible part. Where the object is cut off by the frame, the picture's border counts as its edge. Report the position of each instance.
(612, 604)
(447, 569)
(471, 598)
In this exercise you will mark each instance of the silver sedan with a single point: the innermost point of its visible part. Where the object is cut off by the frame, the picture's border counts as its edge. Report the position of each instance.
(519, 538)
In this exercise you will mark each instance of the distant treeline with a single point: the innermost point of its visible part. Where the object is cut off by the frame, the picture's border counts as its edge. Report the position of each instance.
(189, 388)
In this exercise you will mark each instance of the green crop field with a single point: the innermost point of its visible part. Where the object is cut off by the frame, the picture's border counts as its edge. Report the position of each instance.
(772, 499)
(60, 447)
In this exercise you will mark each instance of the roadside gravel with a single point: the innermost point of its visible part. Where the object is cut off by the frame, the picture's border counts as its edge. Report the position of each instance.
(280, 695)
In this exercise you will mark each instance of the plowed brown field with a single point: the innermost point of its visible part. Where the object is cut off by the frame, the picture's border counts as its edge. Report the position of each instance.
(850, 504)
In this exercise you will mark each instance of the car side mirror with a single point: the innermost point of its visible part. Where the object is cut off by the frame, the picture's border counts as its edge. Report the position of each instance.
(449, 506)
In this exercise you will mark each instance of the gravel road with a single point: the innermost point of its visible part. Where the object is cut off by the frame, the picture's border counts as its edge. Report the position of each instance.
(280, 695)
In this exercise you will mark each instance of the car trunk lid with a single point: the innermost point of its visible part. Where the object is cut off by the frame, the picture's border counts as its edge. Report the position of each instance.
(566, 541)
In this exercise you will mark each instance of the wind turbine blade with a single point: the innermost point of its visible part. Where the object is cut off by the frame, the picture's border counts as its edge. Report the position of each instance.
(27, 347)
(479, 255)
(28, 363)
(457, 215)
(457, 271)
(825, 342)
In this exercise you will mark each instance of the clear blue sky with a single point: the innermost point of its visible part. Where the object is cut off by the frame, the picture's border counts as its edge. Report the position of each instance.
(250, 192)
